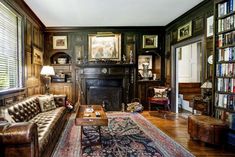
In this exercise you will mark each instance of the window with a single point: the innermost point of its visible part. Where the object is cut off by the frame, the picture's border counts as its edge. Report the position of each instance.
(10, 50)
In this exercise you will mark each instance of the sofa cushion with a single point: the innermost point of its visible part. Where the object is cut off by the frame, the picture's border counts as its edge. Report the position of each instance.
(46, 102)
(47, 123)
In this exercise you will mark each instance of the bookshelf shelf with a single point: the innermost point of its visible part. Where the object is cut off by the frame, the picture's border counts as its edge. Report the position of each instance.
(227, 15)
(226, 46)
(229, 77)
(224, 61)
(226, 31)
(221, 108)
(228, 93)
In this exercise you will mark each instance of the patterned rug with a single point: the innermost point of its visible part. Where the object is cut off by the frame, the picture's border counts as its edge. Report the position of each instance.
(127, 135)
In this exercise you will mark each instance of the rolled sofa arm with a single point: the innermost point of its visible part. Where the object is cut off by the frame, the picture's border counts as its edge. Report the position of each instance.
(19, 133)
(23, 137)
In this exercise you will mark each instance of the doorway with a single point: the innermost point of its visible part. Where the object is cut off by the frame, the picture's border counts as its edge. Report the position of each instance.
(187, 73)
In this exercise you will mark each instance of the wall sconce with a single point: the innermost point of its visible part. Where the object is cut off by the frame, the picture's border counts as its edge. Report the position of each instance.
(47, 71)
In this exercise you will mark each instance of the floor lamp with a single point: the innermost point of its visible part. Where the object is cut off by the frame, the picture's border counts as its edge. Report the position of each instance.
(47, 71)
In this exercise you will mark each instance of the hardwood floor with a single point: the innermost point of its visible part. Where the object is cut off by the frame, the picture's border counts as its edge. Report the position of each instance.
(176, 127)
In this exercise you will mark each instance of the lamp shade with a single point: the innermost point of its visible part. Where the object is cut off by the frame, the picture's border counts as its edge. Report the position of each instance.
(207, 85)
(47, 70)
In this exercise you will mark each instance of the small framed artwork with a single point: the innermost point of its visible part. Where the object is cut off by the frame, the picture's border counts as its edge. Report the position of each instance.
(185, 31)
(145, 59)
(150, 41)
(104, 47)
(209, 26)
(60, 42)
(37, 56)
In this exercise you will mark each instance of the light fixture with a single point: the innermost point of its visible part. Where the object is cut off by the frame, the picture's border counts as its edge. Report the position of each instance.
(47, 71)
(207, 86)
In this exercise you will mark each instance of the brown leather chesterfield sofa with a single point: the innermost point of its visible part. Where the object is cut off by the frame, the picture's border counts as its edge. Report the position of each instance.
(34, 133)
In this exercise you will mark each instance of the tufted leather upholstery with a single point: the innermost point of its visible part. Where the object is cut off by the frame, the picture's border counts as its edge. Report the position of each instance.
(24, 111)
(45, 127)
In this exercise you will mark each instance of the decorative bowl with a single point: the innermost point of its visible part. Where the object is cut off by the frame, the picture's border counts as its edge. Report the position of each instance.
(62, 60)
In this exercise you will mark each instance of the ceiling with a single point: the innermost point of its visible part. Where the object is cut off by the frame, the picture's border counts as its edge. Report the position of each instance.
(82, 13)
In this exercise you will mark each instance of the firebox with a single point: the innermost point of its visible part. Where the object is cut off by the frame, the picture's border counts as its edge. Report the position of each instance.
(105, 91)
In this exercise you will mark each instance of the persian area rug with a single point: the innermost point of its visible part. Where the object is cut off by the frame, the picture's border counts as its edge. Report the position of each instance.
(127, 135)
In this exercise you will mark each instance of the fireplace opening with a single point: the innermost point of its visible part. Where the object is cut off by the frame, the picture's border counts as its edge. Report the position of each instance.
(107, 91)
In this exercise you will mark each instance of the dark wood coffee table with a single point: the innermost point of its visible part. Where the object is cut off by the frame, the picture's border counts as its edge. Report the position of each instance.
(84, 118)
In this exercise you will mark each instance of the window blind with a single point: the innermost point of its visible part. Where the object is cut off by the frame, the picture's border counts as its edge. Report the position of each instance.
(10, 49)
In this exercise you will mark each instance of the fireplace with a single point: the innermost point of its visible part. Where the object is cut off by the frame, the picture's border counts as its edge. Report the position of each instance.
(105, 91)
(111, 85)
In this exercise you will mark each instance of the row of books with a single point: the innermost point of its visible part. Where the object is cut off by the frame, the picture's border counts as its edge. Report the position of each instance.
(226, 39)
(226, 101)
(226, 24)
(227, 54)
(225, 70)
(226, 7)
(226, 85)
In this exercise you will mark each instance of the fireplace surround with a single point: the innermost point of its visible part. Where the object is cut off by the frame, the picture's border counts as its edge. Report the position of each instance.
(105, 84)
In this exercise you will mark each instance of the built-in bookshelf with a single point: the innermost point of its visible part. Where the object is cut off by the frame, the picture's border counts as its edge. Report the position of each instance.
(225, 61)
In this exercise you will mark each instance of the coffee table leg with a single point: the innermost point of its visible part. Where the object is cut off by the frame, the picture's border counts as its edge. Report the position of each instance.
(81, 135)
(99, 134)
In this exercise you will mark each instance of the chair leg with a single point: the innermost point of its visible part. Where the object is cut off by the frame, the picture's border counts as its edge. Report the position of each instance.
(149, 106)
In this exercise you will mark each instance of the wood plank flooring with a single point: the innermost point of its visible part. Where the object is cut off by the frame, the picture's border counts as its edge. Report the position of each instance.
(176, 127)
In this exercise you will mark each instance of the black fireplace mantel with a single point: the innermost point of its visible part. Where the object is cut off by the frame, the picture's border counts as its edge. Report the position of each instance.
(104, 77)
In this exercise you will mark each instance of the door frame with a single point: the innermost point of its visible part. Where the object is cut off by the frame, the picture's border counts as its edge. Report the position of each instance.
(174, 82)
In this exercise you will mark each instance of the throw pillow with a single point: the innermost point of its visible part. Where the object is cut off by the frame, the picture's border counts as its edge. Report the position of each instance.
(46, 102)
(160, 92)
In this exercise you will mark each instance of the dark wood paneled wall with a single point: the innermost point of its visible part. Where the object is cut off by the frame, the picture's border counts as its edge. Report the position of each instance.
(78, 37)
(198, 15)
(33, 38)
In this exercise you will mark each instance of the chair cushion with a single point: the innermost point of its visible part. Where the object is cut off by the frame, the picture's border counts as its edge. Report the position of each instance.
(46, 102)
(161, 101)
(160, 92)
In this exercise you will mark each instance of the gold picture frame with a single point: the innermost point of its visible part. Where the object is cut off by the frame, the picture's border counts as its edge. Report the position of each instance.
(150, 41)
(37, 56)
(104, 47)
(185, 31)
(60, 42)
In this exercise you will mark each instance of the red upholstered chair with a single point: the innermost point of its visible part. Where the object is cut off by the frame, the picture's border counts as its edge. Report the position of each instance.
(159, 95)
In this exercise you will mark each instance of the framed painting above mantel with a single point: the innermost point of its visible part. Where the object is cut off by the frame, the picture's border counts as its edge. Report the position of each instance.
(106, 46)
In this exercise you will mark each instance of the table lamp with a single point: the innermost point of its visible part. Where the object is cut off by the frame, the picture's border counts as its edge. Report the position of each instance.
(47, 71)
(207, 86)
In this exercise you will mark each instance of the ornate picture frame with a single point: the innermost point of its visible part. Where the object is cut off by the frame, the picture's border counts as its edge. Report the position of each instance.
(37, 56)
(185, 31)
(104, 47)
(150, 41)
(60, 42)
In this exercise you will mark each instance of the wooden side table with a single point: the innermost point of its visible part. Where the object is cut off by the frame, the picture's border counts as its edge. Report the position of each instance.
(207, 129)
